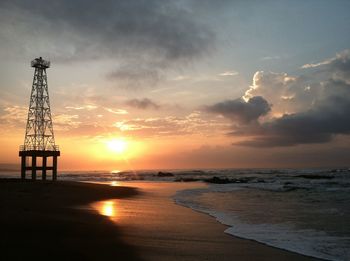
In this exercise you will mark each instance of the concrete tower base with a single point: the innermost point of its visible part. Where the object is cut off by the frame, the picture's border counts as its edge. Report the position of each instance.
(34, 154)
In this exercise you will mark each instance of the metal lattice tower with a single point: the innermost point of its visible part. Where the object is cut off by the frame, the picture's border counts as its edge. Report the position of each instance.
(39, 139)
(39, 131)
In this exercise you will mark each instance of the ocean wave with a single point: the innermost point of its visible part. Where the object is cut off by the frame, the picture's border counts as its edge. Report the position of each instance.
(263, 179)
(286, 235)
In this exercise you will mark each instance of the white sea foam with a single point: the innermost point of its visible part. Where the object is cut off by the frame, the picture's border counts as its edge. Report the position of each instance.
(286, 236)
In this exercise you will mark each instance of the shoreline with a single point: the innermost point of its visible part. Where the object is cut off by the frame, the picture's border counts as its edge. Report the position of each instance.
(229, 226)
(181, 233)
(248, 239)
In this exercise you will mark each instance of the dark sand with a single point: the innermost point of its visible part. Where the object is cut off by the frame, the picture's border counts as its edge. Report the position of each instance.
(38, 221)
(52, 221)
(162, 230)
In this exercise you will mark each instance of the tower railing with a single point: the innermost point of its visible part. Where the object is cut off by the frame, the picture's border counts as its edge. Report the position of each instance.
(31, 148)
(40, 63)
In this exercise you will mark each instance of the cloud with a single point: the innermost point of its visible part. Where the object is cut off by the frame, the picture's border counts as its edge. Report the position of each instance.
(152, 127)
(135, 76)
(181, 78)
(13, 116)
(228, 73)
(320, 124)
(191, 124)
(337, 67)
(142, 104)
(83, 107)
(313, 65)
(288, 94)
(241, 111)
(268, 58)
(143, 37)
(64, 122)
(310, 108)
(337, 61)
(116, 111)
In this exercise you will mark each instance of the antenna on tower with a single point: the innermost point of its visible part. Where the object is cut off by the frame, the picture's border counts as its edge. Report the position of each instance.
(39, 141)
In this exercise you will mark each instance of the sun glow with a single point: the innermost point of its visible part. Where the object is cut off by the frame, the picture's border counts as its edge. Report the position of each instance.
(117, 145)
(107, 208)
(113, 152)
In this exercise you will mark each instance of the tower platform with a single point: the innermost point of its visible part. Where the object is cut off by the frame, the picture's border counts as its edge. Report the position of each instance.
(34, 167)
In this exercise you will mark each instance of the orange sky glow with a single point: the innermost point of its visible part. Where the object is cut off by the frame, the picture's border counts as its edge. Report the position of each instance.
(181, 84)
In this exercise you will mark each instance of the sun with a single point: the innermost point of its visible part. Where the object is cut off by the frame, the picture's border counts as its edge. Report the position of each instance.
(117, 145)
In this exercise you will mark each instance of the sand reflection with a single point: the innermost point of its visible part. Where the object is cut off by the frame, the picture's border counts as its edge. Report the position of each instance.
(107, 208)
(115, 183)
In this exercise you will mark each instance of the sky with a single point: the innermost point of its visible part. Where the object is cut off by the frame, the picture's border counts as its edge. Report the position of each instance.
(181, 84)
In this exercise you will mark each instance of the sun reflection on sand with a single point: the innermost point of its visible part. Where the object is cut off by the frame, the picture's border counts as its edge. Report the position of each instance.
(107, 208)
(115, 183)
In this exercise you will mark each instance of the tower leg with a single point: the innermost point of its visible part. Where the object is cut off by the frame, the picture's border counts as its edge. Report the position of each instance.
(44, 168)
(23, 167)
(54, 169)
(33, 167)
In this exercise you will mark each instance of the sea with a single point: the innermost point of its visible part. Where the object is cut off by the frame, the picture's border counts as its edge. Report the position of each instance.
(301, 210)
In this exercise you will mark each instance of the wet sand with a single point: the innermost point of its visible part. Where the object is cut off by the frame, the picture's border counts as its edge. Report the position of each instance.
(161, 230)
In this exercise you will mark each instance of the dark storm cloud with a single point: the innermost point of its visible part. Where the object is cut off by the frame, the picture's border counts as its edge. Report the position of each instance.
(342, 62)
(337, 67)
(156, 33)
(142, 104)
(135, 76)
(340, 66)
(323, 115)
(318, 125)
(240, 111)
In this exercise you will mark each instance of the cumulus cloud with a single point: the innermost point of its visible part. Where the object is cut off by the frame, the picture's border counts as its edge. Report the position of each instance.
(288, 94)
(291, 94)
(241, 111)
(142, 104)
(320, 124)
(151, 34)
(305, 109)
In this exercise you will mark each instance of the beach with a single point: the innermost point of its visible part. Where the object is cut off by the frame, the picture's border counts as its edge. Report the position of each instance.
(40, 221)
(82, 221)
(163, 230)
